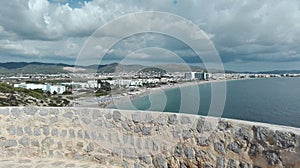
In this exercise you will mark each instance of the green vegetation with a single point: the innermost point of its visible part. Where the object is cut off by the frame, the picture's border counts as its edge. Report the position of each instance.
(5, 88)
(153, 70)
(38, 94)
(100, 92)
(19, 96)
(104, 89)
(53, 82)
(32, 69)
(150, 85)
(67, 92)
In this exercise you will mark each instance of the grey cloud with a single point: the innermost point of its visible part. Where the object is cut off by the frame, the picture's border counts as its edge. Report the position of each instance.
(41, 20)
(243, 31)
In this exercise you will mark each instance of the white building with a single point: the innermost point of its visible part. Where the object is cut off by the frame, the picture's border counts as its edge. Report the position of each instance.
(91, 84)
(31, 86)
(195, 75)
(125, 82)
(136, 83)
(59, 89)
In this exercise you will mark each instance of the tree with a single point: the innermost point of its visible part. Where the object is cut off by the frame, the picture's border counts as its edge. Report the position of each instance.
(105, 86)
(67, 92)
(48, 93)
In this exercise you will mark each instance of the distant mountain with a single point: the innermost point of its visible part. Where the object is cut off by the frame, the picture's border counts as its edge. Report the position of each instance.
(153, 70)
(281, 72)
(32, 67)
(187, 68)
(53, 68)
(115, 67)
(179, 68)
(16, 65)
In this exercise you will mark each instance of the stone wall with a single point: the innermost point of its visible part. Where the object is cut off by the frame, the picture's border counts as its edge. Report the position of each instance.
(144, 139)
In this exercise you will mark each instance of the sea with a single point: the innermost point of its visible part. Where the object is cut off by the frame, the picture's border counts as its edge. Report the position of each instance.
(267, 100)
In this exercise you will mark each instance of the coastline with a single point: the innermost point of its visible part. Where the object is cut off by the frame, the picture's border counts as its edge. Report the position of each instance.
(146, 91)
(109, 101)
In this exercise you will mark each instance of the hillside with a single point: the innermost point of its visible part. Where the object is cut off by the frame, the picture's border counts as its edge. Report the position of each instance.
(10, 96)
(52, 68)
(30, 68)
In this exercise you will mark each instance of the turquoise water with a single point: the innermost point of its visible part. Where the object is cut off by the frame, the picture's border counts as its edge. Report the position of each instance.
(275, 100)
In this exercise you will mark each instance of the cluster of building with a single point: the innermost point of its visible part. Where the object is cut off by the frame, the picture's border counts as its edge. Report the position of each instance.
(91, 81)
(197, 76)
(58, 89)
(90, 84)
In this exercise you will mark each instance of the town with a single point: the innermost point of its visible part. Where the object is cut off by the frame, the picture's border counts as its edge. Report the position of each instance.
(100, 88)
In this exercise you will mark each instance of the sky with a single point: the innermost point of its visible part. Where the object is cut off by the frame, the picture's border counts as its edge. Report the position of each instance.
(249, 35)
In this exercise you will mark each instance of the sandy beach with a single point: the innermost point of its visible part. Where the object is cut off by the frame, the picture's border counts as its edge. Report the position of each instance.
(146, 91)
(126, 96)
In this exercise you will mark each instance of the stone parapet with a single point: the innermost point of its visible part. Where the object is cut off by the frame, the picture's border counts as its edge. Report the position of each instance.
(121, 138)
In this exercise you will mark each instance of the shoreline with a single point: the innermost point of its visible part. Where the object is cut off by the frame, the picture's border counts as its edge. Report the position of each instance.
(109, 101)
(146, 91)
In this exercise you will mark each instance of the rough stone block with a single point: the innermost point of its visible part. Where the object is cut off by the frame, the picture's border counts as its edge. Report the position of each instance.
(285, 139)
(79, 134)
(30, 110)
(11, 130)
(108, 116)
(54, 132)
(68, 115)
(36, 131)
(137, 117)
(28, 130)
(203, 125)
(4, 111)
(137, 165)
(172, 119)
(243, 134)
(35, 143)
(90, 147)
(125, 125)
(185, 120)
(203, 141)
(263, 135)
(189, 153)
(19, 131)
(220, 162)
(44, 112)
(178, 150)
(46, 131)
(219, 147)
(10, 143)
(272, 157)
(160, 162)
(24, 141)
(231, 164)
(146, 130)
(72, 133)
(96, 115)
(47, 142)
(53, 120)
(15, 112)
(117, 116)
(63, 133)
(235, 147)
(85, 120)
(186, 134)
(146, 159)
